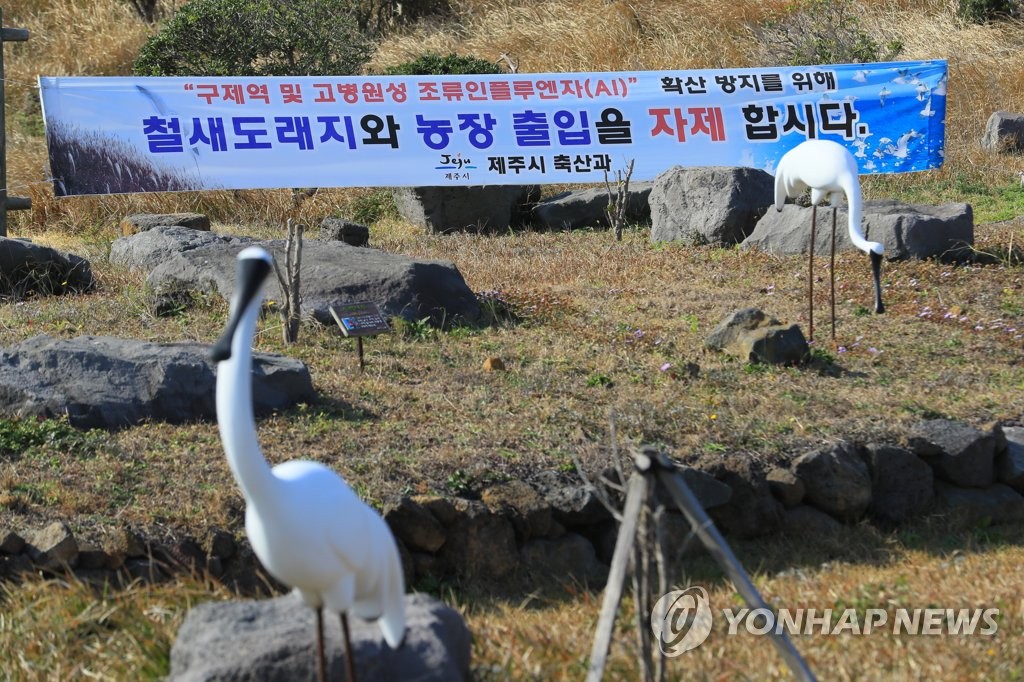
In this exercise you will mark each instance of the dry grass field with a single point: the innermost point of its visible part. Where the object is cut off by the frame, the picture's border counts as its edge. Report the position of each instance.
(598, 325)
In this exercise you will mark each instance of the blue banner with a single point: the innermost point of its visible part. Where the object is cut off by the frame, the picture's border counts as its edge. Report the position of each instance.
(121, 135)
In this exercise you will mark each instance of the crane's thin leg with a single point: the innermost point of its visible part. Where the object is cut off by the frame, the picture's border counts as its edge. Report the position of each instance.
(876, 270)
(832, 272)
(350, 663)
(321, 663)
(810, 276)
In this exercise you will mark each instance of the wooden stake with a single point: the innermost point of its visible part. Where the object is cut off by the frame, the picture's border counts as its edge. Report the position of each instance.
(289, 281)
(636, 496)
(722, 553)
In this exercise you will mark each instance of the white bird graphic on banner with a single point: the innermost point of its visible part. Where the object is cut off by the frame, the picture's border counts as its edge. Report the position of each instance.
(928, 111)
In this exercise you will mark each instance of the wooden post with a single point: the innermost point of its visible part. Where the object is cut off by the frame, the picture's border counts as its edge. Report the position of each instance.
(289, 282)
(722, 553)
(636, 497)
(7, 35)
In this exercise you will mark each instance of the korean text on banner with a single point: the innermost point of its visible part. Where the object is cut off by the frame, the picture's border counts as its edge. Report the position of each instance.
(120, 135)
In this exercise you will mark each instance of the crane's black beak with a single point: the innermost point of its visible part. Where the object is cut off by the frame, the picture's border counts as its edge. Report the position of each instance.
(876, 272)
(252, 271)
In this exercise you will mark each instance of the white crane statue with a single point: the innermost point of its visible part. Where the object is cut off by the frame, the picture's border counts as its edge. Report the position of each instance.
(828, 169)
(306, 525)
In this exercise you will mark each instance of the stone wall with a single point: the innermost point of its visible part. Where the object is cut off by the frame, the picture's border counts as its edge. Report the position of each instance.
(554, 527)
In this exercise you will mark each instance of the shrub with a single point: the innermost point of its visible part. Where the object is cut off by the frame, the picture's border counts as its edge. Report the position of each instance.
(432, 64)
(148, 10)
(257, 38)
(369, 208)
(984, 11)
(380, 17)
(821, 32)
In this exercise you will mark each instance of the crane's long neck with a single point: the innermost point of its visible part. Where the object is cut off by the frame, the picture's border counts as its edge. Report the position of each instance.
(873, 249)
(854, 209)
(235, 413)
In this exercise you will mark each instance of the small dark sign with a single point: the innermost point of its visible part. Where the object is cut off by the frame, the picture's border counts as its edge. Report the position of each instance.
(360, 319)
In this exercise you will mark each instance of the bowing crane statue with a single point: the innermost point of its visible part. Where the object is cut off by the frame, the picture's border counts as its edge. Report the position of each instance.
(828, 169)
(306, 525)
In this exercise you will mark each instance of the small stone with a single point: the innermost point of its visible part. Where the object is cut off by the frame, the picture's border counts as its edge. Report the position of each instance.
(557, 530)
(120, 545)
(426, 565)
(1004, 133)
(1009, 463)
(215, 567)
(183, 554)
(221, 544)
(95, 577)
(141, 222)
(518, 499)
(958, 452)
(902, 484)
(91, 558)
(15, 566)
(440, 507)
(480, 545)
(414, 525)
(572, 503)
(53, 547)
(339, 229)
(143, 570)
(494, 365)
(753, 336)
(751, 511)
(571, 558)
(836, 480)
(408, 565)
(29, 267)
(997, 503)
(11, 542)
(786, 487)
(802, 521)
(708, 490)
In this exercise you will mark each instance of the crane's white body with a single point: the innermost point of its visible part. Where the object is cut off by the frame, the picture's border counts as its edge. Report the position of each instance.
(828, 169)
(305, 524)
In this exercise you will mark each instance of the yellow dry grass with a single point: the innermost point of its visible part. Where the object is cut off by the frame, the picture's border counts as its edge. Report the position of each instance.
(398, 427)
(549, 638)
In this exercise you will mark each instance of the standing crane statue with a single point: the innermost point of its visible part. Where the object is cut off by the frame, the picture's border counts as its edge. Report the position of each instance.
(306, 526)
(827, 168)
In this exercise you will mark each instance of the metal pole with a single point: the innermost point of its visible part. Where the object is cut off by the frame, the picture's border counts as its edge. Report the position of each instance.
(14, 203)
